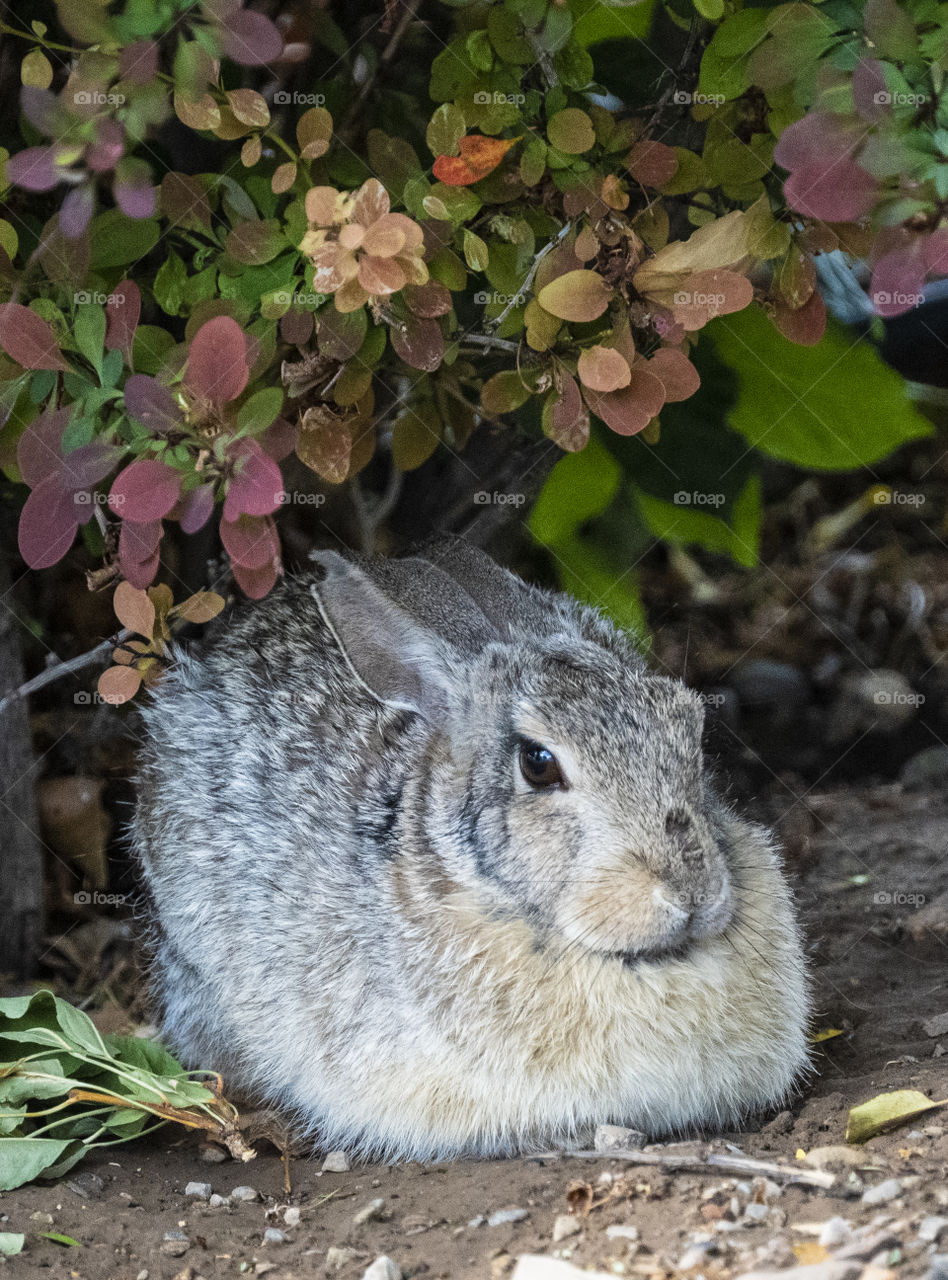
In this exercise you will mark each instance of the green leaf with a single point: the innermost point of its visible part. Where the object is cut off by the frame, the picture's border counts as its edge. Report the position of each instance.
(259, 411)
(834, 406)
(446, 126)
(150, 346)
(58, 1238)
(116, 240)
(476, 253)
(724, 66)
(23, 1159)
(887, 1111)
(580, 486)
(689, 522)
(11, 1242)
(111, 371)
(89, 332)
(169, 283)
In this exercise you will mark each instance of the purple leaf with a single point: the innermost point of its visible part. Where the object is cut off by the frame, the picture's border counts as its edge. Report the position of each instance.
(837, 192)
(194, 509)
(122, 311)
(144, 491)
(257, 486)
(217, 367)
(48, 524)
(87, 465)
(132, 188)
(105, 153)
(39, 451)
(151, 404)
(138, 62)
(817, 138)
(898, 280)
(279, 439)
(29, 339)
(871, 98)
(251, 541)
(936, 252)
(35, 169)
(138, 551)
(251, 39)
(76, 210)
(43, 110)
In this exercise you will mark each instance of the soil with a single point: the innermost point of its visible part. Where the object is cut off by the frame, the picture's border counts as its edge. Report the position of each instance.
(870, 869)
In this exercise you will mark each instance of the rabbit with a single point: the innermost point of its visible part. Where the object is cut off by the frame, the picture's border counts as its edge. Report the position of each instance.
(435, 869)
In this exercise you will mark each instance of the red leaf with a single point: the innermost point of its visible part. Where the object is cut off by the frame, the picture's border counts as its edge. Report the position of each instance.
(898, 279)
(420, 344)
(39, 452)
(818, 137)
(217, 367)
(935, 250)
(86, 466)
(257, 487)
(151, 404)
(652, 163)
(34, 168)
(255, 583)
(48, 524)
(138, 62)
(479, 157)
(428, 300)
(804, 325)
(251, 39)
(134, 609)
(138, 551)
(676, 373)
(194, 509)
(568, 424)
(29, 339)
(837, 191)
(630, 410)
(123, 308)
(251, 541)
(279, 439)
(144, 491)
(870, 95)
(119, 684)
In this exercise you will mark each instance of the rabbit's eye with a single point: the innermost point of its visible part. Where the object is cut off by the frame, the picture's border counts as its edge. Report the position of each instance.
(539, 766)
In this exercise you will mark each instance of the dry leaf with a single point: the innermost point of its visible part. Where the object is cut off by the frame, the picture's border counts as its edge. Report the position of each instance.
(887, 1111)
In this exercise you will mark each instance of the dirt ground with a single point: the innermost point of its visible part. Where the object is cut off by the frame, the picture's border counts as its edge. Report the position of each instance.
(870, 867)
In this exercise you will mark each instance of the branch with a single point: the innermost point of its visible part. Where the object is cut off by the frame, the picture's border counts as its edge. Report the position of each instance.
(67, 668)
(710, 1162)
(387, 54)
(528, 279)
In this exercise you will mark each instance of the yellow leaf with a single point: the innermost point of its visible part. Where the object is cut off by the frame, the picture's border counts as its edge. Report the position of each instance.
(36, 70)
(809, 1252)
(721, 243)
(577, 296)
(828, 1034)
(887, 1111)
(800, 1154)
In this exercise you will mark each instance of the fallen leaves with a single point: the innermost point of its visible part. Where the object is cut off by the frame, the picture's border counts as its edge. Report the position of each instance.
(887, 1111)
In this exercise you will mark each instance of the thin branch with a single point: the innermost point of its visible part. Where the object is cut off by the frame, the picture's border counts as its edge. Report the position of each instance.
(387, 54)
(710, 1162)
(497, 321)
(669, 92)
(486, 340)
(67, 668)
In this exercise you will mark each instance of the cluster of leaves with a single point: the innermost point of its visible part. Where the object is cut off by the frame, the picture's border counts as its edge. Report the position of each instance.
(550, 258)
(65, 1089)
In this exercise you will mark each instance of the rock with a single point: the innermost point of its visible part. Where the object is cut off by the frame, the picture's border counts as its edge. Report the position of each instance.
(370, 1213)
(337, 1258)
(930, 922)
(273, 1235)
(175, 1243)
(620, 1231)
(219, 1202)
(86, 1185)
(829, 1270)
(882, 700)
(245, 1193)
(336, 1162)
(694, 1256)
(613, 1137)
(477, 1222)
(760, 682)
(755, 1212)
(826, 1157)
(198, 1190)
(383, 1268)
(211, 1154)
(931, 1228)
(503, 1216)
(43, 1219)
(836, 1231)
(883, 1192)
(937, 1026)
(925, 769)
(292, 1216)
(939, 1267)
(780, 1124)
(567, 1224)
(143, 1274)
(533, 1267)
(867, 1245)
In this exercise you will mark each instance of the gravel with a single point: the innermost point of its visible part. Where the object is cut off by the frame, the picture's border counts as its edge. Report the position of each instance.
(503, 1216)
(198, 1190)
(245, 1193)
(883, 1192)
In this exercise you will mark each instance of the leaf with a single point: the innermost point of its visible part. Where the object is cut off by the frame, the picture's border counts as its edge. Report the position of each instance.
(36, 70)
(632, 408)
(314, 133)
(476, 253)
(29, 339)
(151, 404)
(144, 491)
(134, 609)
(653, 163)
(565, 418)
(504, 392)
(249, 107)
(577, 296)
(58, 1238)
(416, 433)
(445, 129)
(119, 684)
(255, 241)
(478, 157)
(201, 607)
(217, 361)
(833, 406)
(420, 343)
(579, 487)
(571, 131)
(324, 444)
(603, 369)
(259, 411)
(11, 1242)
(23, 1159)
(887, 1111)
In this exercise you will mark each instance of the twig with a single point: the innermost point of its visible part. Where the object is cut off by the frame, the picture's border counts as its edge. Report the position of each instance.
(497, 321)
(669, 92)
(387, 54)
(66, 668)
(485, 340)
(712, 1162)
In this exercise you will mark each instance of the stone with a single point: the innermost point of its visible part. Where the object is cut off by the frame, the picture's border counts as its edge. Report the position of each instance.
(213, 1155)
(175, 1244)
(613, 1137)
(938, 1269)
(273, 1235)
(338, 1257)
(219, 1202)
(866, 1246)
(883, 1192)
(755, 1212)
(336, 1162)
(43, 1219)
(926, 768)
(781, 1124)
(566, 1225)
(836, 1231)
(619, 1231)
(383, 1268)
(86, 1185)
(292, 1216)
(937, 1026)
(931, 1228)
(198, 1190)
(694, 1256)
(245, 1194)
(533, 1267)
(369, 1213)
(829, 1270)
(503, 1216)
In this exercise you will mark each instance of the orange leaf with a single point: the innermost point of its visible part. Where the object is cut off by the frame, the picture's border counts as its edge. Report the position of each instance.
(479, 156)
(134, 609)
(118, 684)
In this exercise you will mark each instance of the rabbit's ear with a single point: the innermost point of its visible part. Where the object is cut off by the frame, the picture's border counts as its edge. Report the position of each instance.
(395, 659)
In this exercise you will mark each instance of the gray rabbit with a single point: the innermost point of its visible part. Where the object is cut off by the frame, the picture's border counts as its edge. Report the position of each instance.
(435, 868)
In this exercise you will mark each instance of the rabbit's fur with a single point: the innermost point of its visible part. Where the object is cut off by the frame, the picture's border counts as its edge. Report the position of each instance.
(365, 915)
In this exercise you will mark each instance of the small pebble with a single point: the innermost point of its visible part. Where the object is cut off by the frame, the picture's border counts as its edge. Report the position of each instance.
(503, 1216)
(622, 1232)
(292, 1216)
(383, 1269)
(175, 1243)
(371, 1213)
(477, 1222)
(143, 1274)
(336, 1162)
(245, 1193)
(836, 1231)
(883, 1192)
(694, 1256)
(939, 1267)
(219, 1202)
(337, 1258)
(213, 1155)
(567, 1224)
(46, 1219)
(87, 1186)
(273, 1235)
(613, 1137)
(937, 1026)
(754, 1212)
(198, 1190)
(931, 1229)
